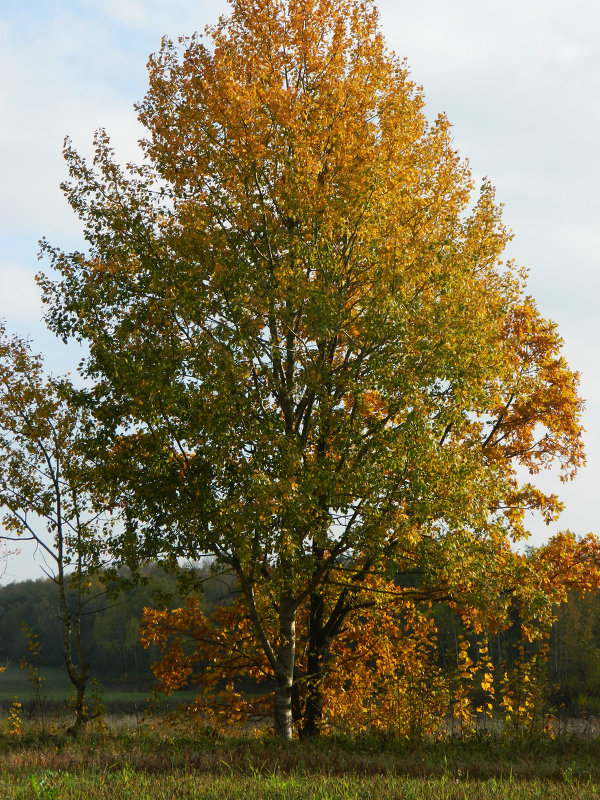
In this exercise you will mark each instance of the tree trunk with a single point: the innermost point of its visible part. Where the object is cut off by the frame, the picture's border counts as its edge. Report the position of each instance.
(78, 674)
(320, 636)
(284, 675)
(79, 705)
(313, 712)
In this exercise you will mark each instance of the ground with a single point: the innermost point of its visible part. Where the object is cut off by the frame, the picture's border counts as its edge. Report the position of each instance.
(164, 758)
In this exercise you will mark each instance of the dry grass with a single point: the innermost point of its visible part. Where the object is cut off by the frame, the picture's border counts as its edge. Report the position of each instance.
(131, 760)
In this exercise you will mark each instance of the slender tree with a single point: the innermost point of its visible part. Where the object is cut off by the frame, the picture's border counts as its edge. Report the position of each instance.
(45, 493)
(307, 355)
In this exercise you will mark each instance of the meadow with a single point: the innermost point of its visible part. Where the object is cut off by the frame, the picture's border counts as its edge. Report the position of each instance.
(164, 757)
(118, 699)
(143, 747)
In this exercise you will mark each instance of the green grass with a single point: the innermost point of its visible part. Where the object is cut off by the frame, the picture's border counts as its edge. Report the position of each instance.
(14, 683)
(173, 763)
(130, 785)
(166, 758)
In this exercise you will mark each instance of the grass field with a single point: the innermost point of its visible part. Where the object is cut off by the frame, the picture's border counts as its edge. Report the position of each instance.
(130, 785)
(14, 683)
(151, 756)
(175, 764)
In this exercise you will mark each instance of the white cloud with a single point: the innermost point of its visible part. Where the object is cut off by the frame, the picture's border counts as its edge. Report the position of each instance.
(187, 15)
(19, 295)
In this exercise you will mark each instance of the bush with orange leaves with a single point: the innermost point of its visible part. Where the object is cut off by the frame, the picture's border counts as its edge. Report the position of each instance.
(382, 673)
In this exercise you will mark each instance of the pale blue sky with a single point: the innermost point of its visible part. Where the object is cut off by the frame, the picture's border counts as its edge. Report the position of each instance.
(519, 80)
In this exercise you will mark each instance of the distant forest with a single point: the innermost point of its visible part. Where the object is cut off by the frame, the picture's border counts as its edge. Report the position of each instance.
(110, 624)
(110, 634)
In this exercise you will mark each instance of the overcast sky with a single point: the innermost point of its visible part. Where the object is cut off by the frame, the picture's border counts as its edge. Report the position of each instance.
(518, 79)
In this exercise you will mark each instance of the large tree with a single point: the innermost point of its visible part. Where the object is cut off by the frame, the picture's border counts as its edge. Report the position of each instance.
(308, 356)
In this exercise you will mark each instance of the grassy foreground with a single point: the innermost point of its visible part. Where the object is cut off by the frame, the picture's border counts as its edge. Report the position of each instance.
(154, 765)
(130, 785)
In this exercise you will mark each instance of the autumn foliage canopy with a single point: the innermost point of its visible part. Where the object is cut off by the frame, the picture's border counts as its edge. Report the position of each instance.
(310, 360)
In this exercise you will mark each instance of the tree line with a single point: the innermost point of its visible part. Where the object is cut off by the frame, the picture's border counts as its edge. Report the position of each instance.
(110, 627)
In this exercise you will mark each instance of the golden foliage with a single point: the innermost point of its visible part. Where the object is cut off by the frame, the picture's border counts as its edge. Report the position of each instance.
(311, 359)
